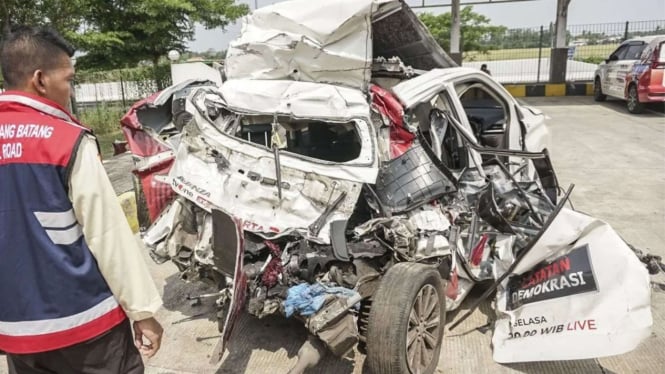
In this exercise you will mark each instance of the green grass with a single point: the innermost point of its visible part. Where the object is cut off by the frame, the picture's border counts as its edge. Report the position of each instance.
(581, 52)
(106, 143)
(103, 119)
(105, 122)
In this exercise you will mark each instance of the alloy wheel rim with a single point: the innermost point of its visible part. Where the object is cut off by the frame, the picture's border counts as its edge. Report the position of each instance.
(632, 99)
(423, 329)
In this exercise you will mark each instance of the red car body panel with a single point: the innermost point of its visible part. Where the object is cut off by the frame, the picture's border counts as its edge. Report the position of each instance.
(144, 145)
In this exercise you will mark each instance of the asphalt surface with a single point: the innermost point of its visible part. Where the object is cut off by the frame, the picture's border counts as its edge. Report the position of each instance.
(617, 163)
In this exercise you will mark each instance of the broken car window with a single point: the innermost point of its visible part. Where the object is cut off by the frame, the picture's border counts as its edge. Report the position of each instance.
(320, 140)
(486, 115)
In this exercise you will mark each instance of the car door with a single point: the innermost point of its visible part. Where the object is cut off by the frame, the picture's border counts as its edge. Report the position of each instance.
(482, 103)
(620, 70)
(610, 78)
(507, 128)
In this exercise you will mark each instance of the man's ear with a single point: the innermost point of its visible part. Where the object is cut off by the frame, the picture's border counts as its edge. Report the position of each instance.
(37, 81)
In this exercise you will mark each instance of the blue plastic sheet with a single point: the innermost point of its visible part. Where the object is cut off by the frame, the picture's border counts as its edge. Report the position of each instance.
(307, 299)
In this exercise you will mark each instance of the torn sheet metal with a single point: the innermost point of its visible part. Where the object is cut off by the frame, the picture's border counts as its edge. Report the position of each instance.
(568, 300)
(156, 186)
(295, 99)
(257, 203)
(429, 218)
(235, 245)
(330, 42)
(316, 41)
(363, 168)
(240, 176)
(152, 137)
(413, 44)
(406, 239)
(392, 115)
(398, 232)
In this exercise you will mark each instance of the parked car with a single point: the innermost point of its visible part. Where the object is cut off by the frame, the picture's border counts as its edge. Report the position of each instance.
(354, 178)
(634, 72)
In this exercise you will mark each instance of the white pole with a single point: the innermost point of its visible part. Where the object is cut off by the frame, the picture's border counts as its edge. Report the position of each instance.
(455, 31)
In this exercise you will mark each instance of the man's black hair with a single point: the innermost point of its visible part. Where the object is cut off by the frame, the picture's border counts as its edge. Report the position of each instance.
(27, 49)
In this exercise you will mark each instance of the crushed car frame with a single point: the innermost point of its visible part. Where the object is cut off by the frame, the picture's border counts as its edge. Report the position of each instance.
(352, 177)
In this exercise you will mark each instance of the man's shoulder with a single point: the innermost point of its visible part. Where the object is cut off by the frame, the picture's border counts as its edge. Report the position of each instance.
(24, 102)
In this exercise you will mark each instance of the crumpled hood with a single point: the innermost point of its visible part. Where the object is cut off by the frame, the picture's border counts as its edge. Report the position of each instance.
(330, 41)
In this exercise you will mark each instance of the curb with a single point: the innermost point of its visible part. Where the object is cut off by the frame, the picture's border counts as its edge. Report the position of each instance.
(127, 201)
(550, 89)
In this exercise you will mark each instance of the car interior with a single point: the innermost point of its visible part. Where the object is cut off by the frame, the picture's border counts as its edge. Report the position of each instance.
(441, 137)
(486, 114)
(320, 140)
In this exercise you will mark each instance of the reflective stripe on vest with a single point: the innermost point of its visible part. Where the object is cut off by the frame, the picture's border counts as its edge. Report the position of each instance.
(52, 294)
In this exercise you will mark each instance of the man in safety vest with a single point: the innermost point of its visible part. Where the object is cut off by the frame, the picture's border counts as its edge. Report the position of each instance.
(71, 272)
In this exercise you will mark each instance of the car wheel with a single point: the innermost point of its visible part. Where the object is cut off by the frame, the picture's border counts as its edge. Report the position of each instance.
(406, 321)
(142, 214)
(598, 91)
(633, 101)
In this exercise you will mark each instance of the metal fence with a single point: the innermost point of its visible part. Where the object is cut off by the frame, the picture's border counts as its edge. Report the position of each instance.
(101, 98)
(119, 94)
(523, 55)
(117, 89)
(512, 56)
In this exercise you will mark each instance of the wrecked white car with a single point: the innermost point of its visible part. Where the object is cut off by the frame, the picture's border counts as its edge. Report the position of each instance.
(352, 177)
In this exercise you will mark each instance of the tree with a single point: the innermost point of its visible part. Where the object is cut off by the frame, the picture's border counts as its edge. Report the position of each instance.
(521, 38)
(61, 14)
(476, 29)
(123, 32)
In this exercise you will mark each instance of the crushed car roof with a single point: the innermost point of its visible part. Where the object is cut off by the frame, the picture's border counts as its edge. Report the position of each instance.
(296, 99)
(330, 42)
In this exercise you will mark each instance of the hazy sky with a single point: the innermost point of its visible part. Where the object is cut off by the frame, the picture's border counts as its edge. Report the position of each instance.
(513, 15)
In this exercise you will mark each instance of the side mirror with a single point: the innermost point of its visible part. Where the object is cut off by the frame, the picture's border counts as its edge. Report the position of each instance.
(612, 58)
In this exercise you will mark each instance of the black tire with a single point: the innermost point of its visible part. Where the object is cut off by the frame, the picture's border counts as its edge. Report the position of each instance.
(142, 214)
(394, 317)
(598, 94)
(633, 101)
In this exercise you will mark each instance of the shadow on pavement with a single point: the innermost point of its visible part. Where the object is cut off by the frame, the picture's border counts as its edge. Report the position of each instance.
(175, 299)
(485, 308)
(654, 110)
(270, 334)
(261, 340)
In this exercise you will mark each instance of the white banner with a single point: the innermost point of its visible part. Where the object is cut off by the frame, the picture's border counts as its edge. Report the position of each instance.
(580, 293)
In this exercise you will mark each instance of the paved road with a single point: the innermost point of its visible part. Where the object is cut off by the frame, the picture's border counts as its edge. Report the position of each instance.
(617, 162)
